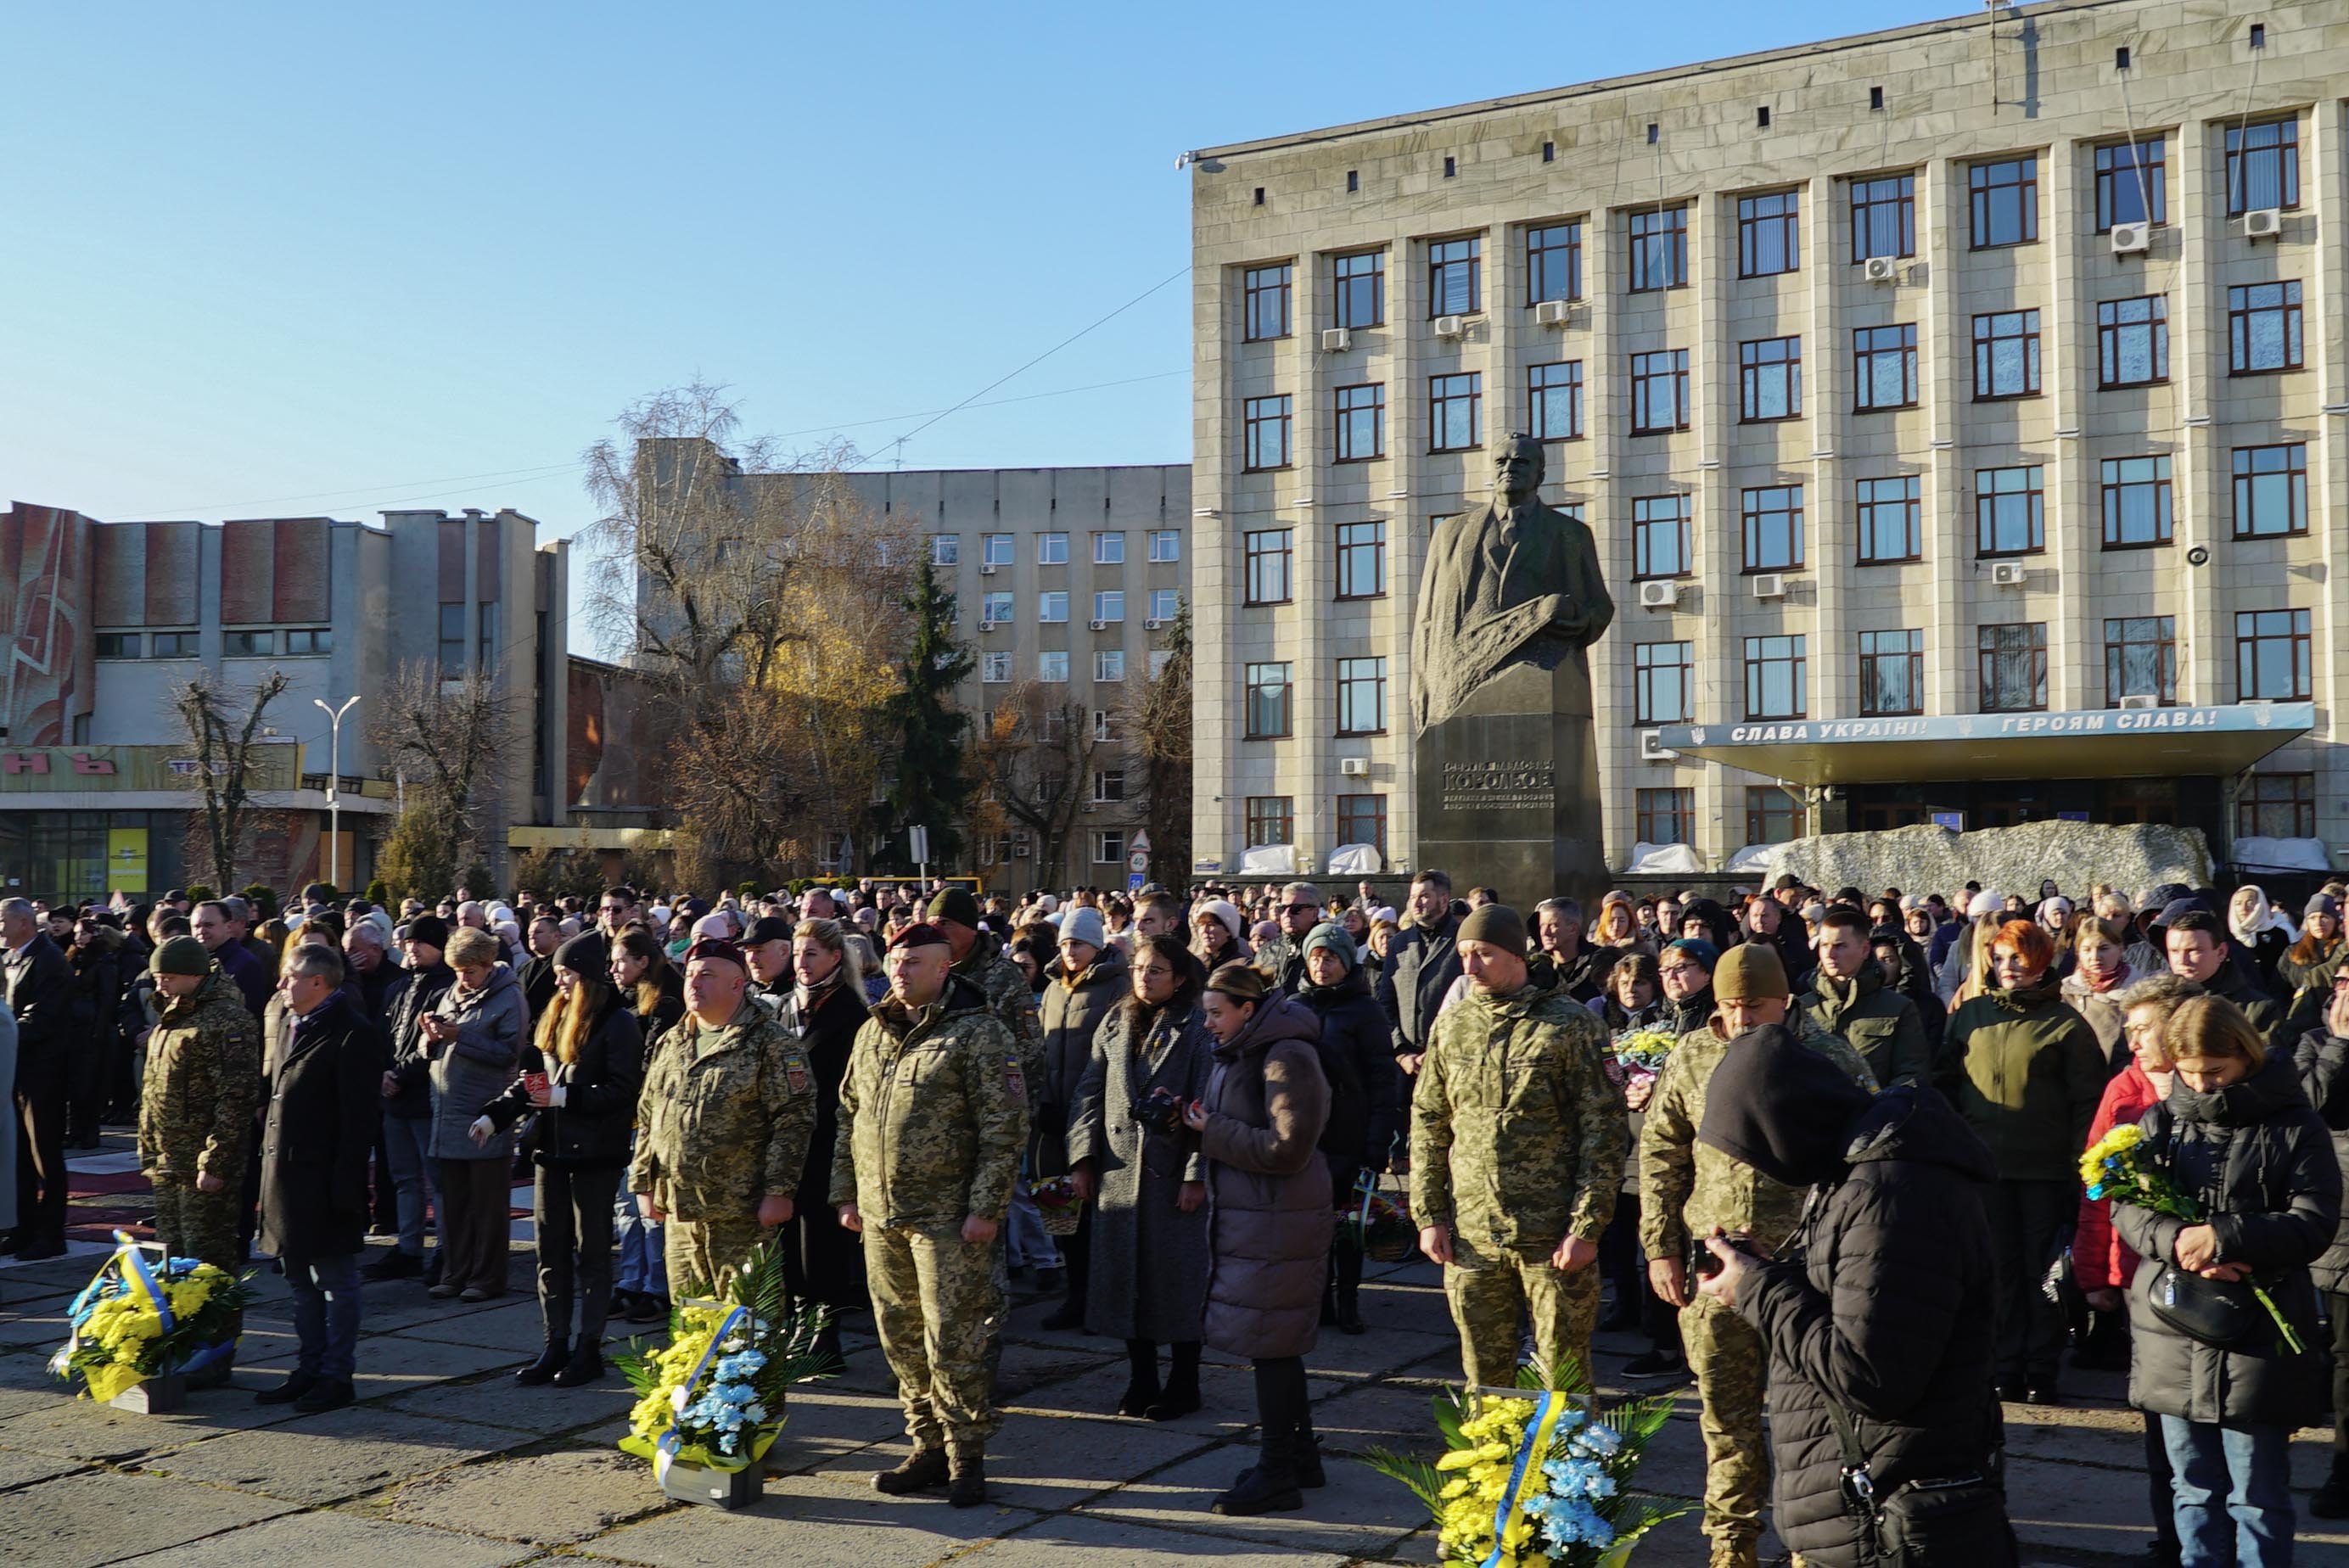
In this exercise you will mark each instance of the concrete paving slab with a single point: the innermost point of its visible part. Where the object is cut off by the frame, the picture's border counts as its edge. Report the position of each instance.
(808, 1519)
(1046, 1464)
(497, 1400)
(328, 1458)
(392, 1364)
(825, 1427)
(538, 1499)
(345, 1540)
(1068, 1542)
(69, 1427)
(27, 1470)
(83, 1520)
(1358, 1514)
(514, 1326)
(1227, 1394)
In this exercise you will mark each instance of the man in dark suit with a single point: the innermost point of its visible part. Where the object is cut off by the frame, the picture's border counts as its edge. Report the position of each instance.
(40, 994)
(1422, 964)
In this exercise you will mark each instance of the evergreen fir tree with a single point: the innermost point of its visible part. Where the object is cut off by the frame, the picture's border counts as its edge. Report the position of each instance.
(932, 787)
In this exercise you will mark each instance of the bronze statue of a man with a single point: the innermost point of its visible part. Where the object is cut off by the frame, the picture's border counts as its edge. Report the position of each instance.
(1511, 582)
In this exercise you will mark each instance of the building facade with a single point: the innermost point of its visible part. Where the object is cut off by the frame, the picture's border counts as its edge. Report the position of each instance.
(1986, 377)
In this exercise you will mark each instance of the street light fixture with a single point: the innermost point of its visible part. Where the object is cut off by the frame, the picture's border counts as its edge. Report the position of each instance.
(334, 798)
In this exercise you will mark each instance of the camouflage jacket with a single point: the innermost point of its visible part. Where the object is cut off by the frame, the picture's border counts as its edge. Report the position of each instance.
(720, 1129)
(933, 1113)
(1013, 1004)
(1281, 961)
(203, 1086)
(1516, 1136)
(1686, 1188)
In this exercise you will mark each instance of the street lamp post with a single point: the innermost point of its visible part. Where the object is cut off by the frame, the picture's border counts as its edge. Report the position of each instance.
(333, 781)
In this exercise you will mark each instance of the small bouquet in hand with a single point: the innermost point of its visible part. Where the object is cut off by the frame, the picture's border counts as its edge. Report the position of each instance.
(1639, 1055)
(1057, 1202)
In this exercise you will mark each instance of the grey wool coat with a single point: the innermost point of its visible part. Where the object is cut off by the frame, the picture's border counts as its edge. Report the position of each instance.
(477, 1066)
(1071, 1015)
(1149, 1261)
(1269, 1219)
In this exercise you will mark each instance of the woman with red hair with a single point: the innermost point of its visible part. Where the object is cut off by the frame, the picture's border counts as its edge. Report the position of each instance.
(2026, 1071)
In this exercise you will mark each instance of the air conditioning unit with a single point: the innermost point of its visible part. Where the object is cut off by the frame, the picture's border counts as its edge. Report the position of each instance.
(1100, 625)
(1089, 806)
(2132, 239)
(1882, 269)
(1553, 312)
(1153, 626)
(2263, 224)
(988, 569)
(988, 625)
(1019, 850)
(2142, 699)
(1354, 766)
(1336, 339)
(1769, 585)
(1651, 747)
(2006, 575)
(1659, 595)
(1451, 326)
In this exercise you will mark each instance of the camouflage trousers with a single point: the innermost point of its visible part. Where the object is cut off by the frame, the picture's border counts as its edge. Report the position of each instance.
(937, 1306)
(1486, 1302)
(698, 1249)
(199, 1226)
(1729, 1361)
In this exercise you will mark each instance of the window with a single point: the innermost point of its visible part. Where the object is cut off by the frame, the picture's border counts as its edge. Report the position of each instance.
(1109, 846)
(1891, 673)
(1659, 392)
(1554, 392)
(2262, 166)
(2277, 806)
(1052, 550)
(1659, 537)
(1361, 560)
(1165, 604)
(1165, 544)
(2132, 183)
(310, 641)
(1769, 234)
(1659, 248)
(1108, 785)
(1109, 549)
(1109, 664)
(1267, 700)
(1053, 668)
(452, 639)
(118, 645)
(1775, 681)
(248, 644)
(183, 645)
(1884, 217)
(946, 549)
(2141, 658)
(1455, 408)
(1052, 608)
(486, 649)
(995, 607)
(1361, 422)
(2010, 512)
(1104, 725)
(1266, 290)
(2271, 491)
(1362, 820)
(2013, 661)
(1362, 697)
(1665, 816)
(1109, 604)
(2263, 327)
(1271, 820)
(1266, 424)
(996, 550)
(1361, 284)
(1884, 367)
(1268, 557)
(1453, 286)
(1663, 683)
(1159, 659)
(1770, 379)
(1554, 263)
(995, 668)
(1773, 815)
(1774, 528)
(2006, 354)
(2133, 341)
(2137, 501)
(2005, 203)
(2271, 654)
(1891, 519)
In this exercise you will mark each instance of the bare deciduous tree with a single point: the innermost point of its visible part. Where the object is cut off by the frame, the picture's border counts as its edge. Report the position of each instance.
(223, 726)
(1035, 756)
(1156, 727)
(450, 736)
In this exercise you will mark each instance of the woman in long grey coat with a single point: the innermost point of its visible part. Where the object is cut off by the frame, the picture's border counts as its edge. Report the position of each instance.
(1148, 1280)
(1269, 1219)
(475, 1038)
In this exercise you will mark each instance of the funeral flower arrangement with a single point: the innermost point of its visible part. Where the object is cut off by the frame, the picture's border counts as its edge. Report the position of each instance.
(1639, 1055)
(1539, 1476)
(140, 1319)
(714, 1395)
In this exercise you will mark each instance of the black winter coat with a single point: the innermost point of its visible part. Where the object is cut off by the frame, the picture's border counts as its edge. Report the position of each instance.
(590, 1129)
(415, 993)
(40, 994)
(1354, 1037)
(2261, 1164)
(2322, 1062)
(825, 1032)
(1420, 966)
(324, 1100)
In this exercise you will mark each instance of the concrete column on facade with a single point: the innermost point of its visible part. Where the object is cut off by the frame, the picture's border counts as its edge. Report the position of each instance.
(2324, 177)
(1943, 365)
(1409, 508)
(1726, 592)
(1312, 510)
(1216, 820)
(2067, 349)
(2197, 362)
(1830, 547)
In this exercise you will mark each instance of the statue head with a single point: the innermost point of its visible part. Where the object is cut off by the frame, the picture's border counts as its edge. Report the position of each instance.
(1518, 465)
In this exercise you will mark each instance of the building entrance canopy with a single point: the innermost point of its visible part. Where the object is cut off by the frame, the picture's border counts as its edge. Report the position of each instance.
(2099, 743)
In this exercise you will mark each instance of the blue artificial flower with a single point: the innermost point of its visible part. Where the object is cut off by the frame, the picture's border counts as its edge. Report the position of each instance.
(1597, 1439)
(2097, 1191)
(756, 1412)
(726, 1444)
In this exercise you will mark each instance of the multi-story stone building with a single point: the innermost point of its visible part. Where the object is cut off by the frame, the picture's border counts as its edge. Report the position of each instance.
(1959, 409)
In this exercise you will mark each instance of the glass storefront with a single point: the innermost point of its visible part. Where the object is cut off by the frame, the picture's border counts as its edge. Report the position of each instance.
(90, 855)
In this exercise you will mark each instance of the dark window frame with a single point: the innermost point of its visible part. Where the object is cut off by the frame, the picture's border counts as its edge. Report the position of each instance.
(1444, 396)
(2114, 333)
(2265, 793)
(1445, 268)
(1356, 810)
(1263, 815)
(1759, 230)
(1658, 235)
(1543, 254)
(1754, 371)
(1351, 273)
(1649, 668)
(1352, 551)
(1254, 419)
(2113, 482)
(1269, 699)
(1348, 683)
(1866, 506)
(2242, 312)
(1644, 526)
(1991, 649)
(1666, 815)
(1538, 394)
(2121, 635)
(1875, 662)
(2249, 644)
(1761, 657)
(1988, 336)
(2117, 165)
(2246, 487)
(1644, 374)
(1865, 354)
(1343, 428)
(1867, 195)
(1987, 507)
(1988, 186)
(1255, 560)
(1760, 811)
(1274, 298)
(2242, 153)
(1755, 513)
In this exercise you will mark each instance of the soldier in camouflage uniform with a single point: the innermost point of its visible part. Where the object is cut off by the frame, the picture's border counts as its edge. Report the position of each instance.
(1688, 1189)
(979, 958)
(727, 1108)
(1281, 959)
(196, 1108)
(1517, 1155)
(932, 1118)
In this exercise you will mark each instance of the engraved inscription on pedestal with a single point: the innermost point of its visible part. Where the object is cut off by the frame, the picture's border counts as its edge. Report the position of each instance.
(1499, 787)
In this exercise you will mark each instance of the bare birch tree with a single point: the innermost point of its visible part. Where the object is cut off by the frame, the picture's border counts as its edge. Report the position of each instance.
(450, 737)
(223, 726)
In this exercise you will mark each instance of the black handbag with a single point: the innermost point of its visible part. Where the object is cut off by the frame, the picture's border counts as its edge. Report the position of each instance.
(2219, 1313)
(1956, 1522)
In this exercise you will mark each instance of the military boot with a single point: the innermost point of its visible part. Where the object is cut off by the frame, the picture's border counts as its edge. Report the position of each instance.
(1739, 1551)
(922, 1470)
(967, 1489)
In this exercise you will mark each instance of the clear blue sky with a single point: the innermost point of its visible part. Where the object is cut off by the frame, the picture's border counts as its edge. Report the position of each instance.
(275, 260)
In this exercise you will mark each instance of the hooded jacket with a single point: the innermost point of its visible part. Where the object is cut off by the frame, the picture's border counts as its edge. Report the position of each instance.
(1422, 964)
(1884, 1304)
(1071, 1011)
(2322, 1062)
(1268, 1218)
(2260, 1162)
(2026, 1072)
(2100, 1259)
(1354, 1040)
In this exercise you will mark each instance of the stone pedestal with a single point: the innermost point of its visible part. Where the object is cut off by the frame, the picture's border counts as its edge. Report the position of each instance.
(1508, 789)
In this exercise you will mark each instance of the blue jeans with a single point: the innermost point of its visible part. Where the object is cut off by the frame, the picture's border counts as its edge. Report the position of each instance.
(2232, 1487)
(1024, 1237)
(326, 1312)
(405, 1139)
(644, 1255)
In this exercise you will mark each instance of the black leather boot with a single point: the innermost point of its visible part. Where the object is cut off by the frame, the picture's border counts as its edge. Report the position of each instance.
(550, 1361)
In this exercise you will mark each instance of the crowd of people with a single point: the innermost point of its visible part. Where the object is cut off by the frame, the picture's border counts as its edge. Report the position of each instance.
(1851, 1174)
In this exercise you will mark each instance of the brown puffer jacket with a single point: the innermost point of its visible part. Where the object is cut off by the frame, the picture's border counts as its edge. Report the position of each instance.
(1269, 1219)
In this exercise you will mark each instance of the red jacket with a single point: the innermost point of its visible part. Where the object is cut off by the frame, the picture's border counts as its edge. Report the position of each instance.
(2100, 1259)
